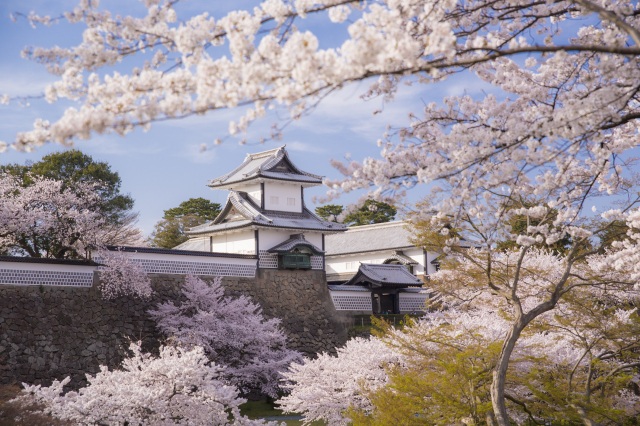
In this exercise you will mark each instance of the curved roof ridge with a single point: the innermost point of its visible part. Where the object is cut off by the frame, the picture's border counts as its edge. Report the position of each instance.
(265, 153)
(277, 155)
(241, 201)
(264, 165)
(242, 204)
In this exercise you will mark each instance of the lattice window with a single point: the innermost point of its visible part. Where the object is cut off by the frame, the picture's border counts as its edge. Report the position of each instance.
(46, 278)
(413, 303)
(351, 302)
(267, 260)
(316, 262)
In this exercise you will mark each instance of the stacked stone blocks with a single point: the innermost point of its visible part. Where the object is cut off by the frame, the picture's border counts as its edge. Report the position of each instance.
(49, 333)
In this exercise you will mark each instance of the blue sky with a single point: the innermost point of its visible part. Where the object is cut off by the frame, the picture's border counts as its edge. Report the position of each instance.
(163, 167)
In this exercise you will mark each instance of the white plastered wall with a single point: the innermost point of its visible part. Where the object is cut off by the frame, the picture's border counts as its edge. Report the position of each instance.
(430, 257)
(237, 242)
(284, 197)
(254, 192)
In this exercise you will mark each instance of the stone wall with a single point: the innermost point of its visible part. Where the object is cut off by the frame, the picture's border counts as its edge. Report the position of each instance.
(52, 332)
(302, 301)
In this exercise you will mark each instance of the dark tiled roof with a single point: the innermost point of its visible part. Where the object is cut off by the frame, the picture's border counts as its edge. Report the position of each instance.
(252, 215)
(20, 259)
(296, 240)
(344, 287)
(272, 164)
(384, 276)
(368, 238)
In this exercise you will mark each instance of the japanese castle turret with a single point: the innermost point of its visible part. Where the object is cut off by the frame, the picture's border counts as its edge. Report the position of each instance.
(265, 215)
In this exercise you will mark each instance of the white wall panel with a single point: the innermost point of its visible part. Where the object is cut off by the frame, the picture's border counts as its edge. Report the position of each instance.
(284, 197)
(237, 242)
(254, 193)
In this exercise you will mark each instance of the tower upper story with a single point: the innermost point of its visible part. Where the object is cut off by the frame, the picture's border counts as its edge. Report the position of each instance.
(270, 180)
(266, 191)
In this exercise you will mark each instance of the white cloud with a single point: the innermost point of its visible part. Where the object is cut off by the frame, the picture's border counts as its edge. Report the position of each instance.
(195, 154)
(304, 147)
(114, 145)
(24, 82)
(214, 120)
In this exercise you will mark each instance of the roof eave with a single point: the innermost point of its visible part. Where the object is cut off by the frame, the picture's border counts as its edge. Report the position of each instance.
(259, 178)
(215, 231)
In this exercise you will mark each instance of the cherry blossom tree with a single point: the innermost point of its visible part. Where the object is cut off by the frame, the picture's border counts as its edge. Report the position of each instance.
(579, 362)
(588, 342)
(554, 132)
(449, 355)
(119, 276)
(232, 331)
(325, 387)
(178, 387)
(47, 220)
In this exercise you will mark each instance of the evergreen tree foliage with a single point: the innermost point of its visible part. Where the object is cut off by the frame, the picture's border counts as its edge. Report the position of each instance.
(170, 230)
(329, 212)
(72, 167)
(370, 212)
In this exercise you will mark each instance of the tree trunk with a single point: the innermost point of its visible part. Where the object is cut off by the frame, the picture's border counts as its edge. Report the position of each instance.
(490, 419)
(500, 374)
(585, 419)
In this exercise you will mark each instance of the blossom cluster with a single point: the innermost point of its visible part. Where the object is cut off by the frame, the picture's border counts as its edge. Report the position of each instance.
(325, 387)
(177, 387)
(48, 219)
(232, 331)
(558, 124)
(586, 342)
(119, 276)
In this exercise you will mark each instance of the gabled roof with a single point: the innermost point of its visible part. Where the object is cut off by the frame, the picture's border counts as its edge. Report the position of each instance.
(240, 212)
(367, 238)
(296, 240)
(402, 258)
(376, 237)
(384, 276)
(272, 164)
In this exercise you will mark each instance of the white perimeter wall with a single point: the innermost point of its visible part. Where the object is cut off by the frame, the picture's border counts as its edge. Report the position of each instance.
(171, 263)
(280, 196)
(51, 274)
(46, 274)
(361, 301)
(238, 242)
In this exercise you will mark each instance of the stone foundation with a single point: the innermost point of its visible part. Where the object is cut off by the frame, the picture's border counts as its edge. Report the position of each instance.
(49, 333)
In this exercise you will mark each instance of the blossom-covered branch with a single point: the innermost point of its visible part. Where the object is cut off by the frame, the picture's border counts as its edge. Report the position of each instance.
(233, 332)
(177, 387)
